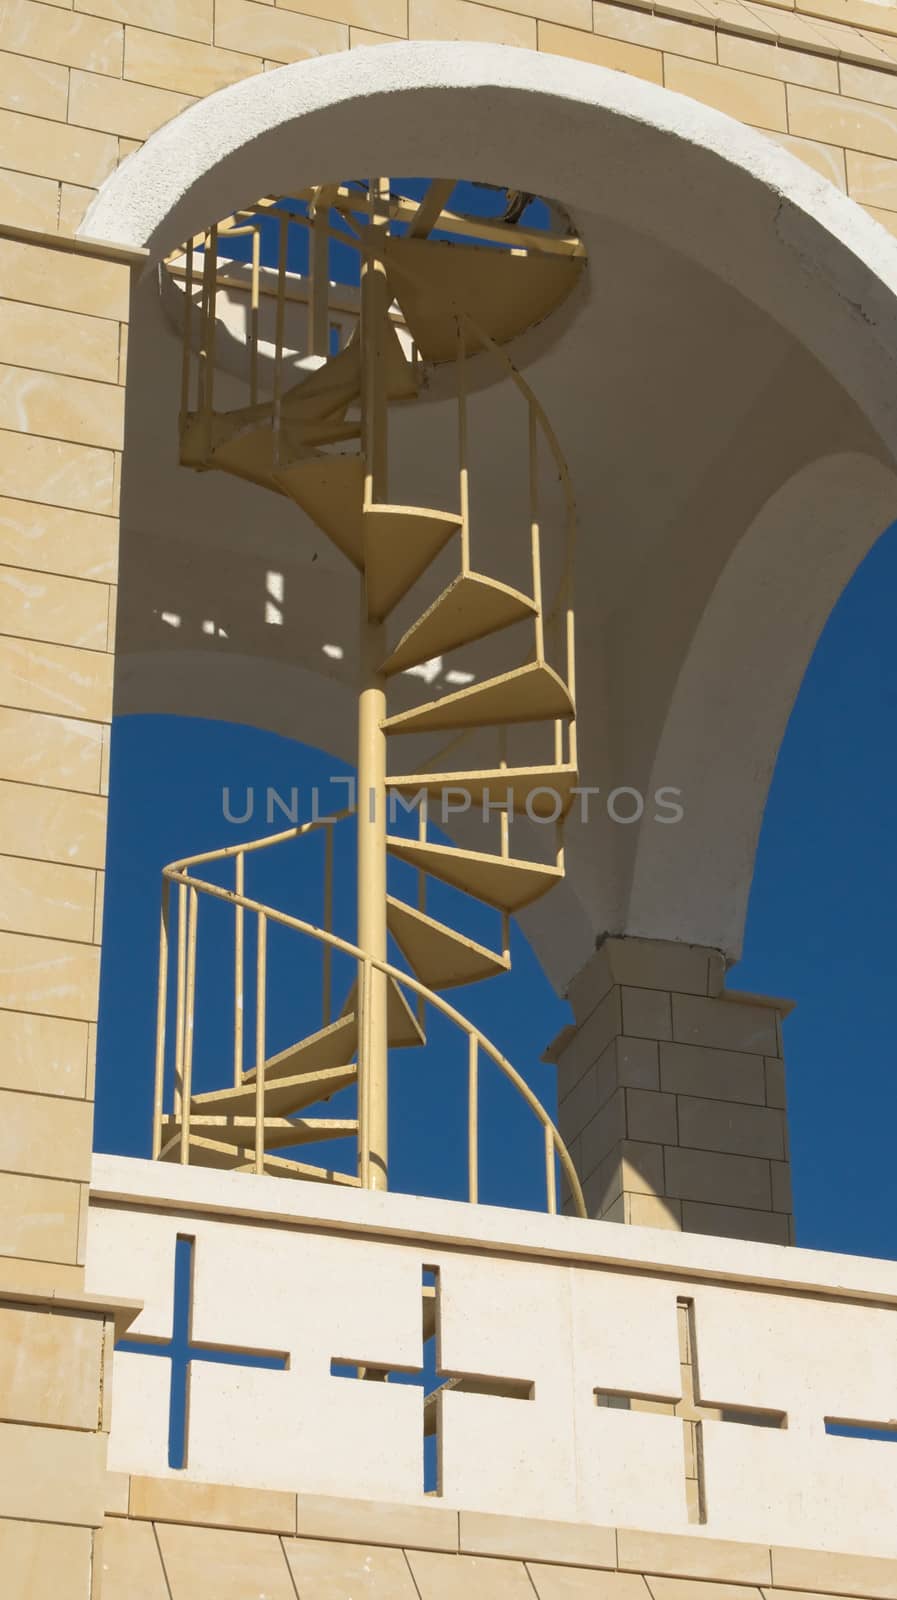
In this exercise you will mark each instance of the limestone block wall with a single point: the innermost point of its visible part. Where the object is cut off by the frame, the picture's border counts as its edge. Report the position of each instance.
(63, 329)
(165, 1542)
(672, 1094)
(82, 84)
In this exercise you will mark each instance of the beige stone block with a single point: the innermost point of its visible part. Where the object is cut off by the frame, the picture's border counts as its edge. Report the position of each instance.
(194, 69)
(28, 202)
(590, 1040)
(888, 219)
(276, 34)
(652, 1211)
(734, 1222)
(42, 897)
(771, 61)
(826, 159)
(457, 19)
(602, 52)
(20, 1276)
(858, 13)
(45, 1137)
(775, 1083)
(570, 1583)
(658, 33)
(640, 1167)
(40, 605)
(823, 1571)
(603, 1133)
(612, 1213)
(835, 119)
(54, 539)
(580, 1104)
(55, 678)
(694, 1589)
(722, 1179)
(722, 1125)
(212, 1505)
(44, 1055)
(782, 1197)
(377, 1522)
(591, 983)
(381, 16)
(361, 37)
(44, 1560)
(115, 107)
(118, 1489)
(725, 1025)
(42, 1468)
(56, 149)
(684, 1557)
(646, 1013)
(74, 41)
(73, 203)
(75, 409)
(333, 1571)
(760, 102)
(443, 1577)
(58, 751)
(715, 1074)
(50, 1367)
(638, 1063)
(651, 1116)
(865, 83)
(60, 278)
(39, 88)
(186, 19)
(754, 21)
(230, 1566)
(660, 963)
(58, 341)
(529, 1540)
(49, 976)
(130, 1563)
(872, 180)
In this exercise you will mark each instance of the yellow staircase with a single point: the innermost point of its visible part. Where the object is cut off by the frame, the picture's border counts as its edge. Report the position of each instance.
(322, 441)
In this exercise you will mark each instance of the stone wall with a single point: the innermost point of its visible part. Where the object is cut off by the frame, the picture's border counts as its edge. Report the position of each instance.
(81, 86)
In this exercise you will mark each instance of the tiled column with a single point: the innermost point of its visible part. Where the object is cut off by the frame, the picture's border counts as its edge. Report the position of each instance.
(63, 325)
(672, 1094)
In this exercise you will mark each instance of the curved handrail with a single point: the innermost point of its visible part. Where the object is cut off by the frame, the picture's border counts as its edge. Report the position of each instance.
(369, 963)
(228, 851)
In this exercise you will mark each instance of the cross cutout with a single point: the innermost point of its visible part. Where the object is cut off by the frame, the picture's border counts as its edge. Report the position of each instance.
(693, 1412)
(434, 1383)
(182, 1352)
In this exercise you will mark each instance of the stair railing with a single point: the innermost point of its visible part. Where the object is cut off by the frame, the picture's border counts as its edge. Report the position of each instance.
(189, 888)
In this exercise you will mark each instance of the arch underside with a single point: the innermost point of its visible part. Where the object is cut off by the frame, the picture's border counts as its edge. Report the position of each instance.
(723, 390)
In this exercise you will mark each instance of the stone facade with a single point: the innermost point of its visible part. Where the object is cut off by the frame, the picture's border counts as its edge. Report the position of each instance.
(672, 1094)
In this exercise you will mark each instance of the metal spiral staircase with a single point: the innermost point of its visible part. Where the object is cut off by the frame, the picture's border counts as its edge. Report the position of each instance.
(321, 439)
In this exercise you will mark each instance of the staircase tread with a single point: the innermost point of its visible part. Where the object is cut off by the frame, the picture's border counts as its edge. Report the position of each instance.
(471, 607)
(329, 490)
(404, 1030)
(399, 544)
(531, 693)
(439, 955)
(504, 882)
(217, 1153)
(330, 1046)
(279, 1132)
(282, 1096)
(522, 781)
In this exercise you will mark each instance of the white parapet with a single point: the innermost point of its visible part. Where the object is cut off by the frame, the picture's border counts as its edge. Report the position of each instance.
(536, 1319)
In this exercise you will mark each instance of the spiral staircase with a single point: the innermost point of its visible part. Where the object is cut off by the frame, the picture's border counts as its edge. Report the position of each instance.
(320, 438)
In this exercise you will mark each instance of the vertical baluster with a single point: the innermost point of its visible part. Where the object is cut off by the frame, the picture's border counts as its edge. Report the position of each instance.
(190, 1011)
(210, 304)
(363, 1089)
(161, 1015)
(188, 332)
(473, 1124)
(463, 464)
(260, 1008)
(327, 960)
(239, 967)
(550, 1171)
(422, 824)
(319, 275)
(254, 316)
(181, 991)
(534, 530)
(278, 331)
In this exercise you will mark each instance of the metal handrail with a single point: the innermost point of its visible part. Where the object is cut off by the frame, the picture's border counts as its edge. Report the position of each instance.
(554, 1146)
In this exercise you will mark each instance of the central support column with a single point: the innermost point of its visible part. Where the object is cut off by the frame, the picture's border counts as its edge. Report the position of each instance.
(373, 1043)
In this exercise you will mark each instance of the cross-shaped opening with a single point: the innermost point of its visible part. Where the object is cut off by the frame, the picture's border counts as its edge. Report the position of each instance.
(694, 1410)
(433, 1379)
(182, 1351)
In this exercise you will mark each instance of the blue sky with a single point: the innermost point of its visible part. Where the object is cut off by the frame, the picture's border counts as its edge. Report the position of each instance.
(820, 930)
